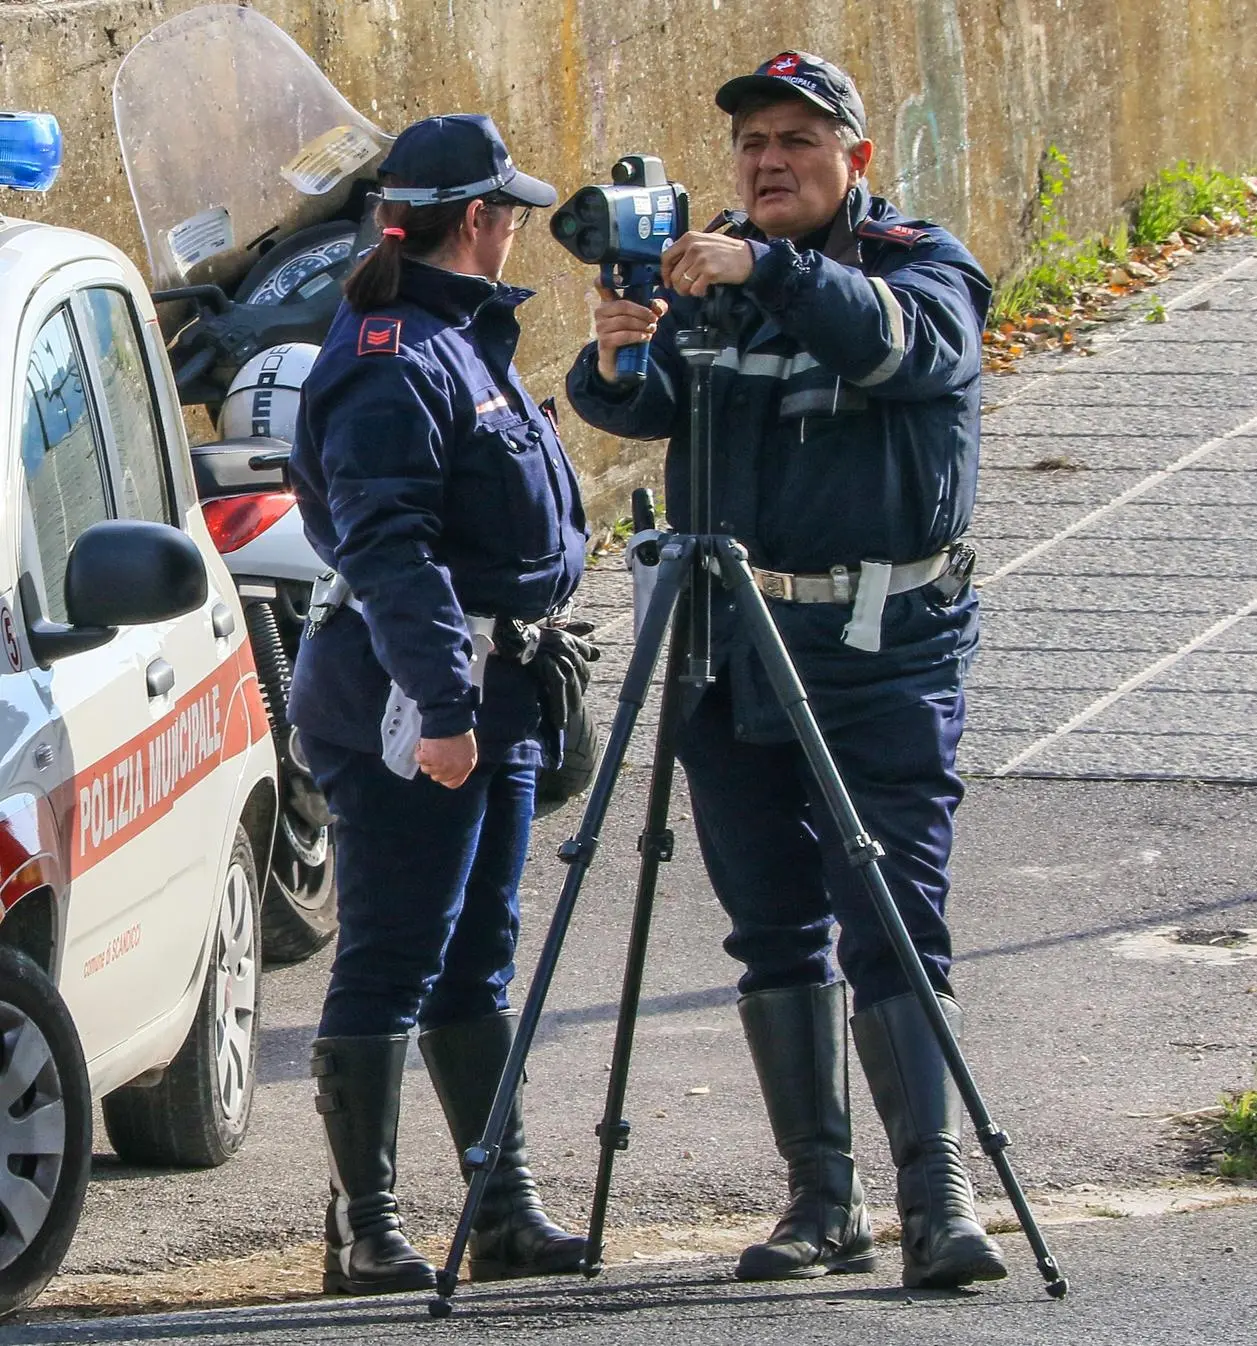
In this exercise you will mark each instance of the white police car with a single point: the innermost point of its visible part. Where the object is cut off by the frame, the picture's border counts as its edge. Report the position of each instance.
(137, 772)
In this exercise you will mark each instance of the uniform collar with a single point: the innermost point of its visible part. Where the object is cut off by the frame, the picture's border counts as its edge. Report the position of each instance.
(838, 240)
(452, 295)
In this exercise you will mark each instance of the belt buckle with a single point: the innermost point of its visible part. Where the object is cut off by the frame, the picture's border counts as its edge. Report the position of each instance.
(775, 584)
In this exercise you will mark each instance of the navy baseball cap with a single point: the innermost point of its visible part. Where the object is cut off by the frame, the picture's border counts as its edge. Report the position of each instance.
(455, 158)
(805, 76)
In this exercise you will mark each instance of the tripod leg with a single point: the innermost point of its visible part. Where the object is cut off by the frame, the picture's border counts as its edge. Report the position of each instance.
(655, 845)
(578, 852)
(863, 852)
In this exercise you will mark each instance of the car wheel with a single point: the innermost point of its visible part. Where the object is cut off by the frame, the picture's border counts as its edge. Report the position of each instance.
(581, 745)
(197, 1114)
(45, 1129)
(299, 910)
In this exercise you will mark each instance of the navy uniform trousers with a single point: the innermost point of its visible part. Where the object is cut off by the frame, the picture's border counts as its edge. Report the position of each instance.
(778, 865)
(428, 882)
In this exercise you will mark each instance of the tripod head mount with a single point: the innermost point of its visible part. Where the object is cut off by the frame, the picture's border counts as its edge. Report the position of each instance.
(719, 317)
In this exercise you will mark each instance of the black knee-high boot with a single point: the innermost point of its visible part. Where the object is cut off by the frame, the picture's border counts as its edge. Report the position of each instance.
(798, 1041)
(512, 1235)
(943, 1243)
(358, 1081)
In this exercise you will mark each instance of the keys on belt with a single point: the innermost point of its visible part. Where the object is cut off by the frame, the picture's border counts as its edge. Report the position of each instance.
(328, 594)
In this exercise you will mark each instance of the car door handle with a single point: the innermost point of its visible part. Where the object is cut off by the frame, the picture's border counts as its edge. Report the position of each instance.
(222, 619)
(161, 678)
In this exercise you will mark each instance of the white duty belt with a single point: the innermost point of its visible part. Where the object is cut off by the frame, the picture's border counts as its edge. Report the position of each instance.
(865, 588)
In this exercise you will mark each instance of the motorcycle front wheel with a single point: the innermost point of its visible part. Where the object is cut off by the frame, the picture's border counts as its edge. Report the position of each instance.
(299, 907)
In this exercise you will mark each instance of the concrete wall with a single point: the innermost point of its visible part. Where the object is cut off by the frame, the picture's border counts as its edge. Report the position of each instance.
(963, 100)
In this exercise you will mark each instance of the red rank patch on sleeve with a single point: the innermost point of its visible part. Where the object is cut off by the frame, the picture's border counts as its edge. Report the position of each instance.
(891, 233)
(380, 336)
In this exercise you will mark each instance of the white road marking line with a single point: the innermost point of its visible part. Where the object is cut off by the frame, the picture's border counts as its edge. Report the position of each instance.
(1132, 493)
(1109, 698)
(613, 627)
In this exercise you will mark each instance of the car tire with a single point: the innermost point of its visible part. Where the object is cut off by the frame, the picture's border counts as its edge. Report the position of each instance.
(197, 1113)
(45, 1129)
(556, 785)
(299, 912)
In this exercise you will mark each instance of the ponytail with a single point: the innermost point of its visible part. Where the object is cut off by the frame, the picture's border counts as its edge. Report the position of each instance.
(408, 231)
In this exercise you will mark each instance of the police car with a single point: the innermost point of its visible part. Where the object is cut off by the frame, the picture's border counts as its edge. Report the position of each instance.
(137, 771)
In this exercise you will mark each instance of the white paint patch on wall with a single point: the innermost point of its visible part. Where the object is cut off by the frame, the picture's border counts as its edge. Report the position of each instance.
(932, 125)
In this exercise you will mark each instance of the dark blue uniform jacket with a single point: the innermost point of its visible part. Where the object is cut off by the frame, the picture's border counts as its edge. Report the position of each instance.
(432, 482)
(845, 413)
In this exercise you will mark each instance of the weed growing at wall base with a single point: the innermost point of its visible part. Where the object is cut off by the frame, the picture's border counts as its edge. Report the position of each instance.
(1181, 196)
(1065, 286)
(1239, 1130)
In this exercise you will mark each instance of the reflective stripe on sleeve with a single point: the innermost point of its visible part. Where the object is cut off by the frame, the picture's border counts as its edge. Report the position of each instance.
(765, 366)
(894, 317)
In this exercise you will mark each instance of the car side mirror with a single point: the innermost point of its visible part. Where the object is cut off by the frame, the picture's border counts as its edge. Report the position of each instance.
(122, 572)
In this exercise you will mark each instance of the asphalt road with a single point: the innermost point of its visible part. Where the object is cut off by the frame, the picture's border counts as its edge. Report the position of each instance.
(1104, 882)
(1157, 1282)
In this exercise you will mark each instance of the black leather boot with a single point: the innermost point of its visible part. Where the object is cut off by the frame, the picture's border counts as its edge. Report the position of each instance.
(943, 1243)
(359, 1084)
(512, 1235)
(798, 1041)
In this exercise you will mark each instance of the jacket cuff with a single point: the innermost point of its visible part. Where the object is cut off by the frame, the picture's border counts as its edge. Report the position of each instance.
(447, 721)
(776, 274)
(598, 387)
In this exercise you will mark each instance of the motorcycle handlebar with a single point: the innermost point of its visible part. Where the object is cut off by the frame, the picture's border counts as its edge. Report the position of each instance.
(208, 296)
(200, 363)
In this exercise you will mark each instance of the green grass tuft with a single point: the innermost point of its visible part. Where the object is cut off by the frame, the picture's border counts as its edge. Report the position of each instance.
(1182, 194)
(1059, 267)
(1239, 1130)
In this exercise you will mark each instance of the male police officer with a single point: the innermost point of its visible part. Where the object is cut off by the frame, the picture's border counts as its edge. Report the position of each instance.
(845, 424)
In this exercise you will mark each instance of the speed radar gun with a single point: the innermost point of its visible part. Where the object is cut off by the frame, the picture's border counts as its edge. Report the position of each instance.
(625, 229)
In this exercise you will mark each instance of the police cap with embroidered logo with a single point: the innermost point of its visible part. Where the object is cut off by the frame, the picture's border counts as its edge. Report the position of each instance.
(805, 76)
(456, 158)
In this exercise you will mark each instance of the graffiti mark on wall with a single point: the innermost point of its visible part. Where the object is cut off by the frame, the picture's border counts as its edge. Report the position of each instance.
(931, 127)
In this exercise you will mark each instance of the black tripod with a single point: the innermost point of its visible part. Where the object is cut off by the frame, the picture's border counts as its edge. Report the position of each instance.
(687, 565)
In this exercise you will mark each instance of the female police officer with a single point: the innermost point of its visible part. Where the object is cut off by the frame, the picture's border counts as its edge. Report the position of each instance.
(438, 491)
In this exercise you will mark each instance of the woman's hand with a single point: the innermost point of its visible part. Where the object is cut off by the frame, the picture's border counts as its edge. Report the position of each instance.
(448, 761)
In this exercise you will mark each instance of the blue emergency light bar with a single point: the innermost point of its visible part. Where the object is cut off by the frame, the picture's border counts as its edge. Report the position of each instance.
(30, 150)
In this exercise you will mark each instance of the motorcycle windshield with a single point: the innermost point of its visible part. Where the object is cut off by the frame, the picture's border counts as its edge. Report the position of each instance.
(232, 139)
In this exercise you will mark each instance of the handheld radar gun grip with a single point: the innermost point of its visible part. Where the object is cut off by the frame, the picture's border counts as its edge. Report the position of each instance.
(630, 361)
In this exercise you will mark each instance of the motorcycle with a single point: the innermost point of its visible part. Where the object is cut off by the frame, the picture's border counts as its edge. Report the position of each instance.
(252, 179)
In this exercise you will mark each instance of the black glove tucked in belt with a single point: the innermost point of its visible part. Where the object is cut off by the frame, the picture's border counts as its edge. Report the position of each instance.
(559, 656)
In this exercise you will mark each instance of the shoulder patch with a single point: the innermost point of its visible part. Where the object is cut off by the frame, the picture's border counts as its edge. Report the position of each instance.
(886, 232)
(380, 336)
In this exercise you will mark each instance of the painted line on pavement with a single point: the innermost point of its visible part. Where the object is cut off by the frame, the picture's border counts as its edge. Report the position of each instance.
(1137, 680)
(613, 627)
(1132, 493)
